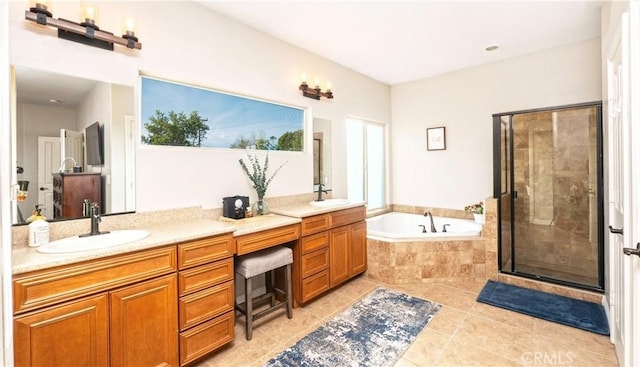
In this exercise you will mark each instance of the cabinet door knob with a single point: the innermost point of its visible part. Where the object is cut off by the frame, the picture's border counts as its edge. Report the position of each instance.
(43, 189)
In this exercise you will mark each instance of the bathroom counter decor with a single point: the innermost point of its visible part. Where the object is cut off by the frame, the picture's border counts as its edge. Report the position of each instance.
(258, 177)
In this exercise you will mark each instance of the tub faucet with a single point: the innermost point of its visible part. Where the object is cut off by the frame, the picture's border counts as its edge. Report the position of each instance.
(95, 221)
(433, 226)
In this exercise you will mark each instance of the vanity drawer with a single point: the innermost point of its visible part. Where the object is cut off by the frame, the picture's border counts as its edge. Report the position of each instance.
(347, 216)
(267, 238)
(314, 262)
(315, 224)
(205, 276)
(315, 285)
(205, 250)
(50, 286)
(314, 242)
(204, 305)
(206, 337)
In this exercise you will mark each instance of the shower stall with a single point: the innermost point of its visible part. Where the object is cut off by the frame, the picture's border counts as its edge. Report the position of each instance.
(548, 181)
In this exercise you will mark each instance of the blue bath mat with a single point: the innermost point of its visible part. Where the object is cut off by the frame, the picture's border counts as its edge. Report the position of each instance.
(551, 307)
(372, 333)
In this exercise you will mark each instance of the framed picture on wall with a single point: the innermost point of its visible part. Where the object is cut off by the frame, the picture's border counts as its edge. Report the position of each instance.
(436, 138)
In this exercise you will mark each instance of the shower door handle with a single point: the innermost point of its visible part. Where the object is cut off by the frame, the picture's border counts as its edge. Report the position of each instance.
(632, 251)
(615, 230)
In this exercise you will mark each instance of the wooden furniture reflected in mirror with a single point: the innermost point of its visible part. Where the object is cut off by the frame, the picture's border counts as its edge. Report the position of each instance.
(71, 189)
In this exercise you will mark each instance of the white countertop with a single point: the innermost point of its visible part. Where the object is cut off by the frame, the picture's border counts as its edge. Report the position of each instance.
(259, 223)
(26, 259)
(307, 210)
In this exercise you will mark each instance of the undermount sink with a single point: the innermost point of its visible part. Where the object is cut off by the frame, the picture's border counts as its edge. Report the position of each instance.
(101, 241)
(330, 202)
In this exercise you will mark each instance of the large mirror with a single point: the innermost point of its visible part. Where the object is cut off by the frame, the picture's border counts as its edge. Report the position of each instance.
(321, 153)
(73, 141)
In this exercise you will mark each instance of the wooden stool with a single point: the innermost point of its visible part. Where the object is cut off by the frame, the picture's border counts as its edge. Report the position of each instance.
(264, 262)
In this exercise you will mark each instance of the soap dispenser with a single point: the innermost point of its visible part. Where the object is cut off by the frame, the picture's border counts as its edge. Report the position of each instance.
(38, 228)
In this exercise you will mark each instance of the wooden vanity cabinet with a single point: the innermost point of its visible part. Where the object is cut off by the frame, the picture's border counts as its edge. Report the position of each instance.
(332, 249)
(143, 324)
(206, 295)
(74, 333)
(348, 250)
(116, 311)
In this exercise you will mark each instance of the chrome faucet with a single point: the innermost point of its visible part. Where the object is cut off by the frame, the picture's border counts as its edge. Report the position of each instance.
(95, 221)
(320, 191)
(64, 161)
(433, 226)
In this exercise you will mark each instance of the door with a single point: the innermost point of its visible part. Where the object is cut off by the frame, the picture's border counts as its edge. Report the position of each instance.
(48, 163)
(623, 130)
(129, 147)
(358, 248)
(144, 324)
(72, 334)
(339, 255)
(72, 146)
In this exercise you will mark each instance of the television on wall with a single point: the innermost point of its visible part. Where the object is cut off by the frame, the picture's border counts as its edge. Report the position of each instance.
(93, 143)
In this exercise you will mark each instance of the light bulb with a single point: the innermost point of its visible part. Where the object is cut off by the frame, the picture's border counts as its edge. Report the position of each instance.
(129, 26)
(89, 13)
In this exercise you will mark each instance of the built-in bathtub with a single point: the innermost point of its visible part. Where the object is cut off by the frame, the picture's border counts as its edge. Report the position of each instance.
(399, 252)
(402, 227)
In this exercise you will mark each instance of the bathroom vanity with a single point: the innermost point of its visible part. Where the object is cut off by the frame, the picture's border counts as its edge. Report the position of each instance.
(332, 249)
(168, 299)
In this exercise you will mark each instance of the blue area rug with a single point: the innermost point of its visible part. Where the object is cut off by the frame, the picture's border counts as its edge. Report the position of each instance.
(373, 332)
(551, 307)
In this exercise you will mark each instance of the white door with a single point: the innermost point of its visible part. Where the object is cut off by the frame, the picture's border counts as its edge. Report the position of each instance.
(632, 220)
(72, 146)
(48, 163)
(623, 198)
(129, 146)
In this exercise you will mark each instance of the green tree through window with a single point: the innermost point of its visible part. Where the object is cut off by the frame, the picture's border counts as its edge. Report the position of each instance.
(176, 129)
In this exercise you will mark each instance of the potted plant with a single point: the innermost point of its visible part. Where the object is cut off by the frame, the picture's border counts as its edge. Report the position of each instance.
(258, 177)
(477, 210)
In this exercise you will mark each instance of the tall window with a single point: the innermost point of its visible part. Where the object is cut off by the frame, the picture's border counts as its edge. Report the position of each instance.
(366, 157)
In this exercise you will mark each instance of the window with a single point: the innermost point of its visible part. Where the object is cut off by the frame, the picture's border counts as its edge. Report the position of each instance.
(182, 115)
(366, 163)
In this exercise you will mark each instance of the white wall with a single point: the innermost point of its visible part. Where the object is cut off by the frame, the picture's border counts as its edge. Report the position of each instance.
(186, 42)
(463, 102)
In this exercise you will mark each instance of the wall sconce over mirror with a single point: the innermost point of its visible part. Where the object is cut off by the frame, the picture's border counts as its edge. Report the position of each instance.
(87, 32)
(315, 92)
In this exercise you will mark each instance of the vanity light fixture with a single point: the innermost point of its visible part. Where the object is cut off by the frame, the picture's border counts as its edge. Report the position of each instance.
(316, 92)
(87, 32)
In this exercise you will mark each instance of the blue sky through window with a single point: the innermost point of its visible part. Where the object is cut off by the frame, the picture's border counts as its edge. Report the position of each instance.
(229, 117)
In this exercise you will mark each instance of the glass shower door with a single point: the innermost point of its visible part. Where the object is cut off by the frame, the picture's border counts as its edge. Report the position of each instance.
(550, 221)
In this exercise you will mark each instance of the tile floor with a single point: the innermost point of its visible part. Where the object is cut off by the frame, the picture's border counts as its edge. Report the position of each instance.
(463, 333)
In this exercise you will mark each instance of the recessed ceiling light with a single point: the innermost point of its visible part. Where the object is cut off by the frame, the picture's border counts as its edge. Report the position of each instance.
(52, 100)
(491, 47)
